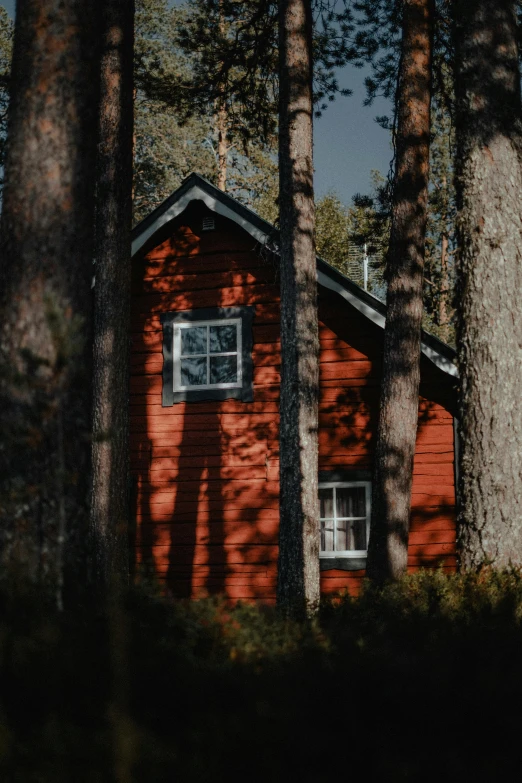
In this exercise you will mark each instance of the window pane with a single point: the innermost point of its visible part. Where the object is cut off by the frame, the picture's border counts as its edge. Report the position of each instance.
(223, 338)
(343, 542)
(194, 371)
(326, 503)
(351, 535)
(358, 534)
(223, 369)
(194, 340)
(327, 535)
(351, 502)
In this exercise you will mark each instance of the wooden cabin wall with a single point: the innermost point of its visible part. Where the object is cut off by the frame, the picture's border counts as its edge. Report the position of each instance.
(350, 364)
(207, 508)
(206, 473)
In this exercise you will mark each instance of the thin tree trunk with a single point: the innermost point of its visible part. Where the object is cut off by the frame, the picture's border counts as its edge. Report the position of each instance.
(298, 576)
(110, 448)
(45, 294)
(222, 119)
(134, 142)
(399, 402)
(444, 283)
(489, 184)
(110, 454)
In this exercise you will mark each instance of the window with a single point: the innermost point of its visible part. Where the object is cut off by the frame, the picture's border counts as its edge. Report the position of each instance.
(344, 521)
(207, 354)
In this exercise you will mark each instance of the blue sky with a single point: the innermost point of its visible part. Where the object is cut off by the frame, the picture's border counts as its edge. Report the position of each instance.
(348, 141)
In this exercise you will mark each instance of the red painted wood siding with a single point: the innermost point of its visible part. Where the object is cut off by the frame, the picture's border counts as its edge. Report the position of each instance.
(206, 473)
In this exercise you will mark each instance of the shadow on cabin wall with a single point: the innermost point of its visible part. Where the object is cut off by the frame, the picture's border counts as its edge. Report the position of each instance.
(206, 511)
(348, 417)
(202, 525)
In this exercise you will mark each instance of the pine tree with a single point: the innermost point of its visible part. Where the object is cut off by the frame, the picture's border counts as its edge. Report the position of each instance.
(241, 96)
(45, 295)
(489, 183)
(439, 274)
(399, 400)
(233, 57)
(298, 568)
(377, 43)
(165, 151)
(110, 425)
(176, 134)
(332, 231)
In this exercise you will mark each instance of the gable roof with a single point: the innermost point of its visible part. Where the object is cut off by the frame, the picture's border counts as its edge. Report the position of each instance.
(197, 188)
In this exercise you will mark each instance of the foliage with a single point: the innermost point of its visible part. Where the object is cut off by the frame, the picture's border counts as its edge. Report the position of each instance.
(230, 47)
(165, 152)
(376, 42)
(253, 179)
(233, 49)
(332, 231)
(6, 45)
(441, 229)
(341, 233)
(370, 230)
(266, 201)
(218, 691)
(171, 142)
(370, 218)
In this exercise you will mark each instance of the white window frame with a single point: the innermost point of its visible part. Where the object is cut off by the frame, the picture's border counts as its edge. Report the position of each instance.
(346, 553)
(177, 356)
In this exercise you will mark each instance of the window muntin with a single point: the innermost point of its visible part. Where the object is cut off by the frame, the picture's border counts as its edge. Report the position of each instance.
(344, 514)
(207, 355)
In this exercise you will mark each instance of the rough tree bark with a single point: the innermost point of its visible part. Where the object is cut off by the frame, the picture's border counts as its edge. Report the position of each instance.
(45, 294)
(222, 147)
(110, 450)
(444, 283)
(222, 120)
(489, 184)
(298, 574)
(399, 401)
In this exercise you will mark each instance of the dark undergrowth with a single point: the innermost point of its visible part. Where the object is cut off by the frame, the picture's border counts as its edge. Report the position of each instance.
(419, 682)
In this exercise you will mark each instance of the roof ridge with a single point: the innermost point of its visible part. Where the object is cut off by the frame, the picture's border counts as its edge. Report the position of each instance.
(197, 187)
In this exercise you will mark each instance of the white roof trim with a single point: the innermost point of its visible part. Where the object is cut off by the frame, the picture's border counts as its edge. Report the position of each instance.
(446, 365)
(196, 193)
(363, 308)
(440, 361)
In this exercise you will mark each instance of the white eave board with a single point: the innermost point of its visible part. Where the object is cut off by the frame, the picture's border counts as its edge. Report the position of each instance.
(215, 203)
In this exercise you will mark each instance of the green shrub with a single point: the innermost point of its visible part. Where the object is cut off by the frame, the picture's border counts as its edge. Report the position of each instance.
(418, 681)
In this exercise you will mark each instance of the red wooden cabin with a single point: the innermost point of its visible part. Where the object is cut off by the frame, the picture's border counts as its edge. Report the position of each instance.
(204, 408)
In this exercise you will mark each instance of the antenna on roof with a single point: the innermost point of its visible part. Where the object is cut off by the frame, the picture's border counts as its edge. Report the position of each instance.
(365, 267)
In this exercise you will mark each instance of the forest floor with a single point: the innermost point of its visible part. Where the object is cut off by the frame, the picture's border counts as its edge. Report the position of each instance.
(419, 682)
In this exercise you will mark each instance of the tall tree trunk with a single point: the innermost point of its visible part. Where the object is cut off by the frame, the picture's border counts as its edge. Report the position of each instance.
(110, 450)
(444, 283)
(110, 447)
(222, 120)
(399, 402)
(45, 288)
(489, 184)
(298, 576)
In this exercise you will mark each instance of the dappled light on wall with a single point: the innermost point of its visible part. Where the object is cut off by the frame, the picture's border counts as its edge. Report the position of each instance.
(207, 467)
